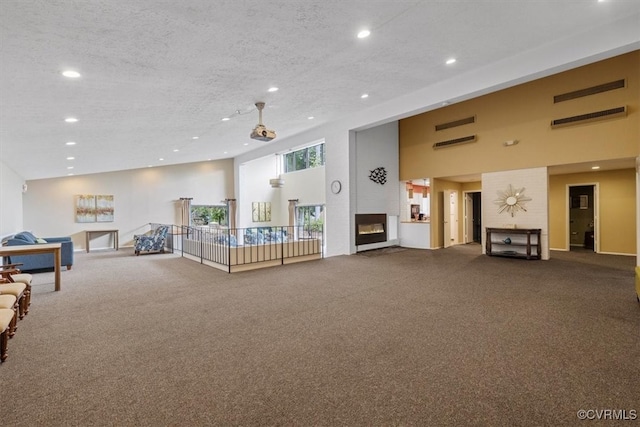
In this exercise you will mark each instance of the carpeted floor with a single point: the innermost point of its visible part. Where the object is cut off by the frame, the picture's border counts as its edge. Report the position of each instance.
(424, 338)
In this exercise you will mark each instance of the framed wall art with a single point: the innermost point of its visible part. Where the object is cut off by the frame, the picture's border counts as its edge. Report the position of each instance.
(261, 211)
(94, 208)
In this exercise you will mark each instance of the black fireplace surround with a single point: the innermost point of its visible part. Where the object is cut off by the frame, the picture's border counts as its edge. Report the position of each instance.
(371, 228)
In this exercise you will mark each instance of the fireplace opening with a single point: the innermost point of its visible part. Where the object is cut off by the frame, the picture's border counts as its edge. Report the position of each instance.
(371, 228)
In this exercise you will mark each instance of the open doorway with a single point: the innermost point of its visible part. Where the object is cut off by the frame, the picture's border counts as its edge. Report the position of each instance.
(583, 217)
(473, 217)
(450, 217)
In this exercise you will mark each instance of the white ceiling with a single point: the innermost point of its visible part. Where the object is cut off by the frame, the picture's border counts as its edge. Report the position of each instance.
(156, 73)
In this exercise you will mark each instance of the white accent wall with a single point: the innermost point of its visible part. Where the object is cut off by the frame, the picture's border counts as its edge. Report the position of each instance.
(536, 184)
(377, 147)
(10, 201)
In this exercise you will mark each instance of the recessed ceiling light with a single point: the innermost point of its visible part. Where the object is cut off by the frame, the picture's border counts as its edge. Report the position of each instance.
(273, 89)
(70, 143)
(595, 167)
(161, 159)
(364, 34)
(246, 143)
(70, 158)
(364, 95)
(450, 61)
(223, 153)
(195, 137)
(69, 174)
(225, 119)
(445, 103)
(149, 166)
(310, 117)
(70, 120)
(71, 74)
(69, 167)
(175, 150)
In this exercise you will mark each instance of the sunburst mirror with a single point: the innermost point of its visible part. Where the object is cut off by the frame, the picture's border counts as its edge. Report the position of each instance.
(512, 200)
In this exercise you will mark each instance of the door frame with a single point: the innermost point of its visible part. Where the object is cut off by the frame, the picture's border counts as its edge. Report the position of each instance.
(468, 233)
(596, 213)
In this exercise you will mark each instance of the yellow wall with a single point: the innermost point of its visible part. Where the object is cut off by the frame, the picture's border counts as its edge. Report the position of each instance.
(524, 113)
(617, 201)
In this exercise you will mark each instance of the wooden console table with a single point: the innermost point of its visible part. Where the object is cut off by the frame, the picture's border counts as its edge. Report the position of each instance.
(514, 242)
(7, 251)
(114, 233)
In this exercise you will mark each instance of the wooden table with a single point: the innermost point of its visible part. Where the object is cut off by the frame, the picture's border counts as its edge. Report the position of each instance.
(88, 233)
(37, 249)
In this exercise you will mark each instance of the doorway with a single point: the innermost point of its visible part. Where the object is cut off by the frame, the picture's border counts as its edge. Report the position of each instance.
(473, 217)
(583, 218)
(450, 217)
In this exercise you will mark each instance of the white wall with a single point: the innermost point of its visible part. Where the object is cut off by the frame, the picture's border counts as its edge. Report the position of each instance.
(536, 184)
(306, 185)
(254, 186)
(141, 196)
(10, 201)
(378, 147)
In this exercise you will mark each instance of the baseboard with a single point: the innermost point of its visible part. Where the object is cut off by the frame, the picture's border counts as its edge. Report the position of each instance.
(380, 245)
(615, 253)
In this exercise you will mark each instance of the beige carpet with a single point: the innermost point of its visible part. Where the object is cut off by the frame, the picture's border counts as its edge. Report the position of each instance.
(424, 338)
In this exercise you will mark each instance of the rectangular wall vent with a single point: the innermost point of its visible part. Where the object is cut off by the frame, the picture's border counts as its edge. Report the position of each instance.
(457, 141)
(590, 117)
(456, 123)
(589, 91)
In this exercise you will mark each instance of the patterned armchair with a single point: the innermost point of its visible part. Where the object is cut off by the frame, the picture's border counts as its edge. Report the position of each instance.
(152, 242)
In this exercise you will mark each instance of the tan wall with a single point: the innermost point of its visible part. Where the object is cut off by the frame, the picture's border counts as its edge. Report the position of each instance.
(617, 190)
(524, 113)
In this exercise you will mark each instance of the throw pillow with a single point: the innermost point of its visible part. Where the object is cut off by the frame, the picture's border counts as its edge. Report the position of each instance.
(40, 240)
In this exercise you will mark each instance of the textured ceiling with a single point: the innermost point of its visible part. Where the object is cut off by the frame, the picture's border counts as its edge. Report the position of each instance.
(157, 73)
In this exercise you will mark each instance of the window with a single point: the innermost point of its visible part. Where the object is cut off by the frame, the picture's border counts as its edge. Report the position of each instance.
(305, 158)
(209, 214)
(311, 219)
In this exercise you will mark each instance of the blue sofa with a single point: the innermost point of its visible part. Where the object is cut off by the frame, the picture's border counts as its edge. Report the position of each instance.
(40, 261)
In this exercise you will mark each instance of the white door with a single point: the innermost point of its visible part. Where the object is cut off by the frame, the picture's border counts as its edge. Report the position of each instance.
(453, 217)
(446, 217)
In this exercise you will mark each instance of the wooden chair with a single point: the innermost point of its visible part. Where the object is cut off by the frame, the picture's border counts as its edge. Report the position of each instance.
(12, 274)
(10, 302)
(17, 290)
(6, 317)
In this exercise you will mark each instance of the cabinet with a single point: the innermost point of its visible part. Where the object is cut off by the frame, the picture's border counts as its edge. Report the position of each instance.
(514, 243)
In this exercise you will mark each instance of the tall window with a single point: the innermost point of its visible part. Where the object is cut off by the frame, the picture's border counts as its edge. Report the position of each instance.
(209, 214)
(311, 219)
(305, 158)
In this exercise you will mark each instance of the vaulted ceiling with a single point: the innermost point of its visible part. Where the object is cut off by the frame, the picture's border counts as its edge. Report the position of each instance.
(157, 74)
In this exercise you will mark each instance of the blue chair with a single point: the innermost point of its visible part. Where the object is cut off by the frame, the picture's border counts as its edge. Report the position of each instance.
(153, 242)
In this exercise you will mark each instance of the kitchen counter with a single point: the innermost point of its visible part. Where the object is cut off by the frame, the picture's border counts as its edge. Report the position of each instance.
(415, 234)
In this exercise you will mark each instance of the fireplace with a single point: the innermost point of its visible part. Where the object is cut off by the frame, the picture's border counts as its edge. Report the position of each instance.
(371, 228)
